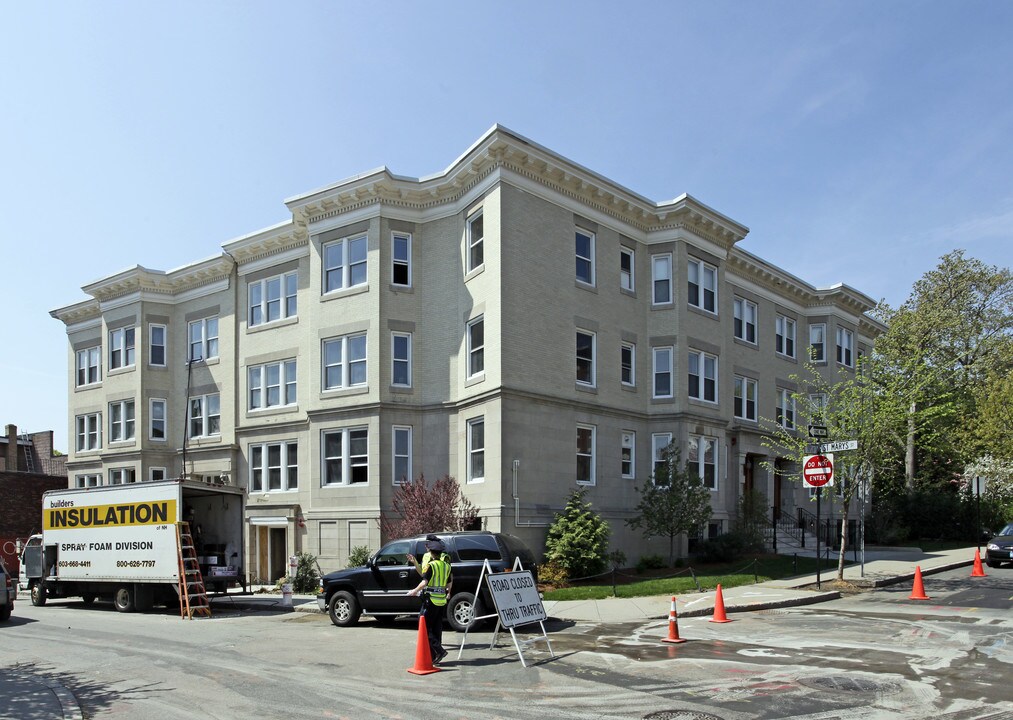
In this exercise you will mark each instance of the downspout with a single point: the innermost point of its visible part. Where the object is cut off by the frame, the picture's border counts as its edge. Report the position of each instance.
(517, 503)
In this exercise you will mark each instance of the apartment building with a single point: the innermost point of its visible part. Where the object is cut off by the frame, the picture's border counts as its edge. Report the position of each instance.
(516, 321)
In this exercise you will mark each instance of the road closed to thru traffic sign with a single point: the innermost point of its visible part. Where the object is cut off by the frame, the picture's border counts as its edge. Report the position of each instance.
(818, 470)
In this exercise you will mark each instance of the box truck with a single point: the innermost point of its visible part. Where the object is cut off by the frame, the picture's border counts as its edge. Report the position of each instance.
(122, 542)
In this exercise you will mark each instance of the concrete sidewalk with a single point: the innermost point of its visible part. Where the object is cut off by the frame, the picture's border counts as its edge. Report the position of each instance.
(40, 697)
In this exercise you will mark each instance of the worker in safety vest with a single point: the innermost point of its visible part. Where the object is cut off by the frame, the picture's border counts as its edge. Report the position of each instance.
(435, 589)
(441, 552)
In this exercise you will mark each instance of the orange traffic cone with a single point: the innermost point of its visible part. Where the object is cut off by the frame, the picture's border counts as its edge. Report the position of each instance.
(918, 591)
(673, 626)
(978, 570)
(423, 658)
(719, 608)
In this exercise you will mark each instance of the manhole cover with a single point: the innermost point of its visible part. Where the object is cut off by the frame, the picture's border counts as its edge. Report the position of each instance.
(847, 683)
(680, 715)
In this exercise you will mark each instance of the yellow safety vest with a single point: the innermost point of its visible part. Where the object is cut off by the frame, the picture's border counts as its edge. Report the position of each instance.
(438, 579)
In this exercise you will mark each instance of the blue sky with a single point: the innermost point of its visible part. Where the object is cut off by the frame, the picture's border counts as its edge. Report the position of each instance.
(859, 141)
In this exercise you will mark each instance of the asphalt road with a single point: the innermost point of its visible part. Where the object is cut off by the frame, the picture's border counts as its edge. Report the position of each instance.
(872, 655)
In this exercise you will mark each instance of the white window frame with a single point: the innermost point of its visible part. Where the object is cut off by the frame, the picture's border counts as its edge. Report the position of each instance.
(87, 480)
(260, 386)
(287, 301)
(403, 361)
(122, 345)
(745, 317)
(89, 360)
(705, 277)
(401, 453)
(399, 262)
(122, 421)
(348, 462)
(627, 275)
(122, 476)
(784, 336)
(475, 246)
(587, 363)
(628, 454)
(205, 343)
(154, 421)
(659, 441)
(476, 451)
(348, 272)
(584, 262)
(350, 371)
(586, 454)
(286, 470)
(785, 410)
(818, 342)
(88, 431)
(661, 368)
(845, 347)
(661, 279)
(698, 461)
(204, 416)
(628, 370)
(818, 405)
(746, 390)
(164, 345)
(161, 472)
(476, 353)
(706, 371)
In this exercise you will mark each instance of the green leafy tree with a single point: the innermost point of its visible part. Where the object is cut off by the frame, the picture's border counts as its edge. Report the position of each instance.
(305, 580)
(675, 503)
(418, 507)
(578, 538)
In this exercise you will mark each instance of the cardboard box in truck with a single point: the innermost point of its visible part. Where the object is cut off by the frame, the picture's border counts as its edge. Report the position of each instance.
(120, 542)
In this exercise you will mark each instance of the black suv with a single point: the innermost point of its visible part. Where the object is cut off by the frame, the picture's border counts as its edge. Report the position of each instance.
(380, 587)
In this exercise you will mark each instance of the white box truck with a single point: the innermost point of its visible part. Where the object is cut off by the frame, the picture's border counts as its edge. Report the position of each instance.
(120, 542)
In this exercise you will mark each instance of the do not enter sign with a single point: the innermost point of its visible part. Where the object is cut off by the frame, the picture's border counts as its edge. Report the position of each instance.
(818, 470)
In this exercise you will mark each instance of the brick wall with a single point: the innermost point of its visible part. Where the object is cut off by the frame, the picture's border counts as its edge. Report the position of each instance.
(21, 511)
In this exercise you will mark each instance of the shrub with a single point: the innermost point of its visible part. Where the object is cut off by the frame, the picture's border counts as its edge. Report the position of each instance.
(552, 573)
(578, 538)
(358, 556)
(650, 562)
(306, 578)
(728, 547)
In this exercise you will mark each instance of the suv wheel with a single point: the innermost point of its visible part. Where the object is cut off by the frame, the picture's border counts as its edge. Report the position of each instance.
(462, 611)
(343, 609)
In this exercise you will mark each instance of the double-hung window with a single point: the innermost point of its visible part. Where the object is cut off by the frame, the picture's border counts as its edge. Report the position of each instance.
(401, 359)
(89, 431)
(401, 453)
(121, 476)
(817, 407)
(273, 385)
(784, 339)
(401, 259)
(661, 279)
(156, 419)
(702, 458)
(86, 481)
(121, 348)
(344, 362)
(274, 466)
(156, 345)
(703, 376)
(845, 346)
(585, 455)
(584, 248)
(628, 454)
(745, 320)
(205, 415)
(659, 442)
(628, 364)
(345, 263)
(475, 236)
(476, 450)
(156, 474)
(121, 420)
(627, 279)
(662, 372)
(476, 347)
(785, 409)
(203, 339)
(585, 358)
(818, 342)
(745, 398)
(273, 298)
(346, 456)
(89, 366)
(703, 285)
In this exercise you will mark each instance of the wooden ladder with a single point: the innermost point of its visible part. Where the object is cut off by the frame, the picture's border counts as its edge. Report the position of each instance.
(193, 597)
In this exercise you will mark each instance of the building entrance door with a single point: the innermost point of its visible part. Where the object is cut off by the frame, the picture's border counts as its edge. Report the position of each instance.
(278, 557)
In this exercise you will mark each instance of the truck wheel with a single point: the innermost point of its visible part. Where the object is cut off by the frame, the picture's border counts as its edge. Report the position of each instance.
(123, 598)
(462, 611)
(39, 594)
(343, 609)
(88, 598)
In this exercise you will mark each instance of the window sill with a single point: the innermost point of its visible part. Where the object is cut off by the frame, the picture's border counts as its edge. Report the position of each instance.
(402, 289)
(476, 481)
(474, 379)
(713, 404)
(628, 292)
(326, 486)
(712, 314)
(589, 389)
(119, 444)
(626, 387)
(210, 361)
(586, 286)
(663, 400)
(120, 370)
(205, 439)
(474, 272)
(786, 358)
(273, 410)
(294, 320)
(663, 306)
(93, 386)
(402, 389)
(586, 483)
(158, 368)
(344, 392)
(345, 292)
(157, 440)
(746, 343)
(273, 492)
